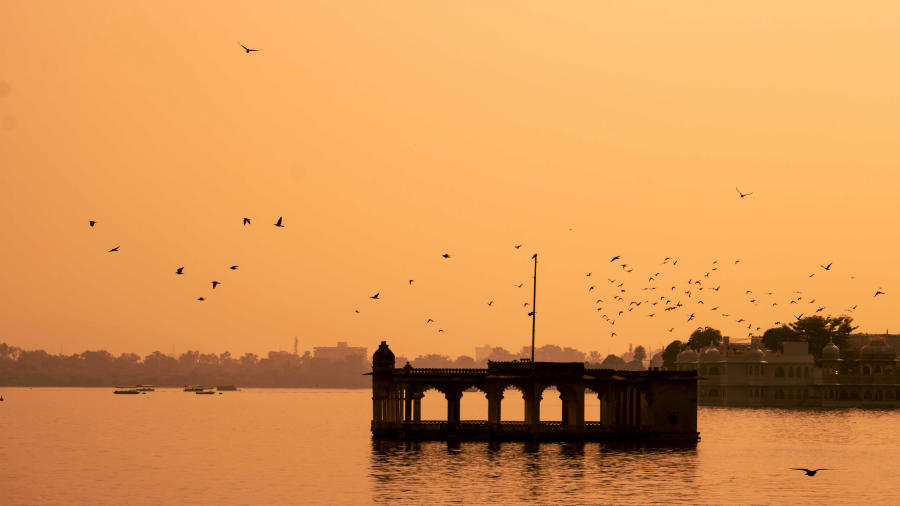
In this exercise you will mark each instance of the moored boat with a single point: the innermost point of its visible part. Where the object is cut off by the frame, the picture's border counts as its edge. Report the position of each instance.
(130, 391)
(205, 392)
(193, 388)
(226, 388)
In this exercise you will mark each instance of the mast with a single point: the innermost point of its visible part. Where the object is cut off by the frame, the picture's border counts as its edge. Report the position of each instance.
(533, 307)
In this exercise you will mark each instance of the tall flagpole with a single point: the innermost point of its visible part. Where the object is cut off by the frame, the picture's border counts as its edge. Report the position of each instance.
(533, 308)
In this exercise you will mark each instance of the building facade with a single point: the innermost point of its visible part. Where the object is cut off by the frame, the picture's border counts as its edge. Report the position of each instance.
(793, 378)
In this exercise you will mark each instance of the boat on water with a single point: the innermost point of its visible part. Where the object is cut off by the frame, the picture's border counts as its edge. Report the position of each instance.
(205, 392)
(193, 388)
(146, 388)
(226, 388)
(130, 391)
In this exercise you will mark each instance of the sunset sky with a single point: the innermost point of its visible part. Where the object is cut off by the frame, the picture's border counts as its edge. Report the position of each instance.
(389, 133)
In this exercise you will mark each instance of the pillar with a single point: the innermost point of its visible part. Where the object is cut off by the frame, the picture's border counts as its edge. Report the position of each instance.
(494, 398)
(564, 417)
(453, 398)
(407, 406)
(532, 405)
(417, 407)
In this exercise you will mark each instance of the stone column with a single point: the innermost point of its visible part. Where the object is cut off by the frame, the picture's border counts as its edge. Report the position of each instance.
(407, 405)
(494, 398)
(453, 398)
(532, 405)
(417, 407)
(576, 407)
(564, 417)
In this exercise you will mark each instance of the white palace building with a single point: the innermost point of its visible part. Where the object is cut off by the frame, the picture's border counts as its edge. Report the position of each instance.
(793, 378)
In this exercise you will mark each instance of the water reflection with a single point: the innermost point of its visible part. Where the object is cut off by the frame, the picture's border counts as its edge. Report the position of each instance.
(482, 472)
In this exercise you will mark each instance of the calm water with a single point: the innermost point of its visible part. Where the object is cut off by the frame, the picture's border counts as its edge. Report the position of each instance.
(88, 446)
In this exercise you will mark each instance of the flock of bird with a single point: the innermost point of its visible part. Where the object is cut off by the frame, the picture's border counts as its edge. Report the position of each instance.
(180, 270)
(662, 292)
(662, 289)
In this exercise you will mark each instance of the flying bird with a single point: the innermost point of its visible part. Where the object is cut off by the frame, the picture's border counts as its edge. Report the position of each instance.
(446, 255)
(246, 221)
(201, 299)
(179, 270)
(615, 258)
(278, 223)
(491, 303)
(375, 296)
(428, 321)
(827, 267)
(877, 293)
(247, 49)
(215, 284)
(410, 281)
(810, 472)
(588, 274)
(517, 246)
(117, 249)
(92, 223)
(233, 267)
(742, 194)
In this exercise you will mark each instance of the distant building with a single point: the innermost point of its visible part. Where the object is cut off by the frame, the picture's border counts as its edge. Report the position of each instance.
(792, 378)
(483, 352)
(340, 352)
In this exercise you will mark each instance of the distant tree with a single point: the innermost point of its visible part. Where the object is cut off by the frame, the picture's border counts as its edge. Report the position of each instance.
(704, 338)
(464, 361)
(432, 360)
(815, 330)
(613, 362)
(594, 357)
(500, 354)
(639, 354)
(670, 354)
(773, 337)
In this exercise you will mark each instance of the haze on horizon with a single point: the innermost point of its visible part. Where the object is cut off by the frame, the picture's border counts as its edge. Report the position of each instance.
(389, 134)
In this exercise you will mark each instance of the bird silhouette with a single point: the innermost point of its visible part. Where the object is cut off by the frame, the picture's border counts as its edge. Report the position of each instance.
(517, 246)
(92, 223)
(201, 299)
(117, 249)
(827, 267)
(615, 258)
(278, 223)
(440, 330)
(526, 304)
(410, 281)
(877, 293)
(531, 313)
(491, 303)
(520, 285)
(246, 221)
(375, 296)
(742, 194)
(215, 284)
(588, 274)
(247, 49)
(179, 270)
(446, 255)
(356, 310)
(234, 267)
(428, 321)
(810, 472)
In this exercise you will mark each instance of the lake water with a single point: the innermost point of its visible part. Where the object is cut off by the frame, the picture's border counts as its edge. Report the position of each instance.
(280, 446)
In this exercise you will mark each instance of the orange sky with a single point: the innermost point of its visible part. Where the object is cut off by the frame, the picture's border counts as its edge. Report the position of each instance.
(388, 133)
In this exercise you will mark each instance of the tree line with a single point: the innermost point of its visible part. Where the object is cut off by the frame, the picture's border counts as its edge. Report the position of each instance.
(100, 368)
(20, 367)
(816, 330)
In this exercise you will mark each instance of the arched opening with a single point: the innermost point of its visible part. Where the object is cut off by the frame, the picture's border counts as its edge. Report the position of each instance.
(592, 406)
(878, 395)
(867, 395)
(433, 405)
(779, 372)
(473, 405)
(866, 370)
(551, 405)
(512, 405)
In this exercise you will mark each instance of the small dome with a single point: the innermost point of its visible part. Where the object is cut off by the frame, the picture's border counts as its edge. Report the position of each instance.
(831, 352)
(686, 356)
(657, 360)
(711, 355)
(755, 355)
(877, 349)
(383, 357)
